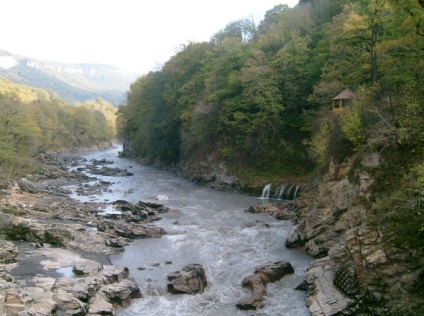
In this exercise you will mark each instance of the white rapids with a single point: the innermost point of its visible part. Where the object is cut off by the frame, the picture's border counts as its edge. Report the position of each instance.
(207, 227)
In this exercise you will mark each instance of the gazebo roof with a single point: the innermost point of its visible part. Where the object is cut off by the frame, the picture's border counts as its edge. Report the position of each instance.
(346, 94)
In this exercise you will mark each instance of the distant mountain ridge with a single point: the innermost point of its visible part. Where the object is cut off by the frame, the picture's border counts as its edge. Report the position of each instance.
(74, 83)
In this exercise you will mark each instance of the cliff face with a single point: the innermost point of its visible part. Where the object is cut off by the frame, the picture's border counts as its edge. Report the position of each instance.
(209, 171)
(199, 168)
(357, 271)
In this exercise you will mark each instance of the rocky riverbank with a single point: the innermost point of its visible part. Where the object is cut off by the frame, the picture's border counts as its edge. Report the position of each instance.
(207, 170)
(358, 270)
(54, 250)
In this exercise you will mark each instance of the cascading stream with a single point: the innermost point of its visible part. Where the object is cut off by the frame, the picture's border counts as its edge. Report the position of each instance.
(207, 227)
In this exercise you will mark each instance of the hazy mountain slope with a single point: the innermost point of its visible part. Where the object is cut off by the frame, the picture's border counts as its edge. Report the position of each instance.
(74, 83)
(24, 93)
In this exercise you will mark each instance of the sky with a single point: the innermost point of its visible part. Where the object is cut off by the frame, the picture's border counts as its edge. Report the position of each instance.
(135, 35)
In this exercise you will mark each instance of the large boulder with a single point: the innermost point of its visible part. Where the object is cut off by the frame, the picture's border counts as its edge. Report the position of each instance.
(115, 242)
(190, 280)
(8, 252)
(67, 304)
(87, 268)
(12, 303)
(122, 292)
(111, 172)
(274, 271)
(129, 230)
(257, 282)
(113, 274)
(27, 186)
(99, 306)
(279, 212)
(81, 288)
(138, 212)
(28, 301)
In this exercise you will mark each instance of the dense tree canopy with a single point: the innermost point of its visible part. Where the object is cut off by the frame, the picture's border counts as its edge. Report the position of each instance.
(34, 121)
(259, 98)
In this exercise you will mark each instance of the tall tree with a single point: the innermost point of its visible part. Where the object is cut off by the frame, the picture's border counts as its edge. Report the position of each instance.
(244, 30)
(365, 26)
(290, 62)
(263, 109)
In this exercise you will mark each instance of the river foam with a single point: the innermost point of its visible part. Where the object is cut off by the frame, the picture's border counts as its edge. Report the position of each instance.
(210, 228)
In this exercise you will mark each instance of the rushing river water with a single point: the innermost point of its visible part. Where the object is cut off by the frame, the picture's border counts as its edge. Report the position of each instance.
(207, 227)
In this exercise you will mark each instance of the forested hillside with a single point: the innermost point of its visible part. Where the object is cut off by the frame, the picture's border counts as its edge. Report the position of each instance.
(74, 83)
(259, 100)
(260, 97)
(34, 121)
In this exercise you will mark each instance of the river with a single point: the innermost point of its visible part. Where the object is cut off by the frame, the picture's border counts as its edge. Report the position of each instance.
(206, 227)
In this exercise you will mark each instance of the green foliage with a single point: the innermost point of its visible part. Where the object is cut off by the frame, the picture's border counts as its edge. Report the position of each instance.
(263, 96)
(411, 118)
(402, 183)
(242, 30)
(417, 191)
(33, 121)
(107, 109)
(25, 94)
(260, 103)
(351, 126)
(319, 143)
(400, 210)
(272, 17)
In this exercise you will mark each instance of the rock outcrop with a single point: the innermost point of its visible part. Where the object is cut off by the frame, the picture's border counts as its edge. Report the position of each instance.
(356, 269)
(190, 280)
(280, 212)
(139, 212)
(94, 294)
(8, 252)
(110, 172)
(70, 236)
(129, 230)
(323, 296)
(49, 268)
(208, 171)
(257, 282)
(204, 168)
(27, 186)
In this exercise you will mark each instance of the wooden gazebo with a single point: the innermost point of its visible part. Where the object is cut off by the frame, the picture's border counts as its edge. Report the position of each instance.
(342, 100)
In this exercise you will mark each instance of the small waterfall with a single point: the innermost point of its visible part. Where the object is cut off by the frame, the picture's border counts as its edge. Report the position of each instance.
(295, 192)
(266, 191)
(280, 191)
(288, 192)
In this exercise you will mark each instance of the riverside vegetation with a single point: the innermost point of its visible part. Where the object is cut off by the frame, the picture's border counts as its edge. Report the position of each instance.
(254, 106)
(34, 121)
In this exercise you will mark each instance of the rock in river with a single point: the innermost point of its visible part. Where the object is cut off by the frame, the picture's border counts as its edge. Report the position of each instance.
(257, 282)
(190, 280)
(277, 211)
